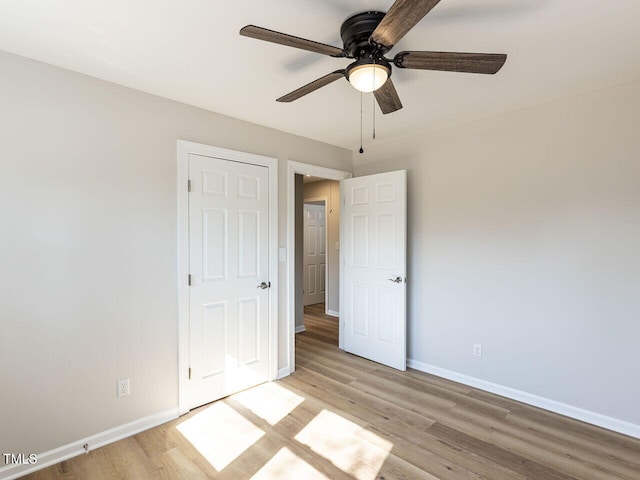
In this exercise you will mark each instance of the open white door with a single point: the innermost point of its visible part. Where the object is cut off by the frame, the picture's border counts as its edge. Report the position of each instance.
(229, 277)
(373, 260)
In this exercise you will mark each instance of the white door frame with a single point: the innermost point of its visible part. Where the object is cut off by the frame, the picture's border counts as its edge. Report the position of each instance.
(302, 169)
(184, 150)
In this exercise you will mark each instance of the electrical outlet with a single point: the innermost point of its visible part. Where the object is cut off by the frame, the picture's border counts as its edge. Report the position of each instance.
(123, 387)
(477, 350)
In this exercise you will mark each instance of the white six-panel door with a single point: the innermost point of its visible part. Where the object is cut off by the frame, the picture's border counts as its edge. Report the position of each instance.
(315, 254)
(228, 261)
(373, 292)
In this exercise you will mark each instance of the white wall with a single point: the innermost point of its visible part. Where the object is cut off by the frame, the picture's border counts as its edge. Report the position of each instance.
(88, 247)
(524, 236)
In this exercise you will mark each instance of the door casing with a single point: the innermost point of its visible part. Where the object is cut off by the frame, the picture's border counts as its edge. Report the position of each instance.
(184, 150)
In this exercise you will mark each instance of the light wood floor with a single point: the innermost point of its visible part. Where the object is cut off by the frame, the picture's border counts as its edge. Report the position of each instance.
(343, 417)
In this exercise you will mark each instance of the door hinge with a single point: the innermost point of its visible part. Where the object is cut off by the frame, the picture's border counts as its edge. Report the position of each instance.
(188, 185)
(189, 279)
(189, 373)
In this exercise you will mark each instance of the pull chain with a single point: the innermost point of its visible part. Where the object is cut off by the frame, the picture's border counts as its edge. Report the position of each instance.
(374, 101)
(374, 117)
(361, 149)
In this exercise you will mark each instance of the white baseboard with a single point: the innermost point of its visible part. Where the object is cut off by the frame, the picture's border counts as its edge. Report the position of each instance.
(284, 372)
(333, 313)
(300, 328)
(577, 413)
(98, 440)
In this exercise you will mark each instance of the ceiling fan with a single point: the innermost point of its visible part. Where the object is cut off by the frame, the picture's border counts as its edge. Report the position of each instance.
(367, 37)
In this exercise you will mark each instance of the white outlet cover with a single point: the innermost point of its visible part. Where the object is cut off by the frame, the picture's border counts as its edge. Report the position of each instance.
(123, 387)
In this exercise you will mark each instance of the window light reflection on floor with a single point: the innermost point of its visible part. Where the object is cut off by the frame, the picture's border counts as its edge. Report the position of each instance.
(269, 401)
(220, 434)
(348, 446)
(285, 465)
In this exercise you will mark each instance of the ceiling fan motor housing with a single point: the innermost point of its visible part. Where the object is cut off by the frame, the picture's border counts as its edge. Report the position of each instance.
(355, 32)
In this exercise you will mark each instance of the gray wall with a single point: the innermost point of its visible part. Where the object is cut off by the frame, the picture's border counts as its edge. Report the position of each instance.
(524, 235)
(330, 189)
(88, 247)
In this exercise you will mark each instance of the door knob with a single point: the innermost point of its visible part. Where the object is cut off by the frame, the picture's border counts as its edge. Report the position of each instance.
(264, 285)
(395, 280)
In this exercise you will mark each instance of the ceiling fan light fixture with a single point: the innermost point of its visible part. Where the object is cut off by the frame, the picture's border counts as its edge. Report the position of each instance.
(367, 76)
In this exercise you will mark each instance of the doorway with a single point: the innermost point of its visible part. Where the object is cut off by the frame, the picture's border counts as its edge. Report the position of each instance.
(295, 249)
(372, 268)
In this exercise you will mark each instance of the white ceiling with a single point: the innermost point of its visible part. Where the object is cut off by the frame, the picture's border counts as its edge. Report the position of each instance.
(190, 51)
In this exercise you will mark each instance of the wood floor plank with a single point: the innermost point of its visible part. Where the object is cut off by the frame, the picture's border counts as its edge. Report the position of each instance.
(529, 444)
(129, 459)
(173, 464)
(522, 465)
(398, 423)
(155, 441)
(444, 394)
(305, 361)
(447, 461)
(95, 464)
(437, 381)
(61, 471)
(590, 444)
(410, 445)
(345, 417)
(368, 407)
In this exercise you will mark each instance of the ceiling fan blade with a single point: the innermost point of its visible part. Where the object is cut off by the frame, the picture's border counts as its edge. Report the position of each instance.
(401, 17)
(291, 41)
(388, 98)
(312, 87)
(488, 63)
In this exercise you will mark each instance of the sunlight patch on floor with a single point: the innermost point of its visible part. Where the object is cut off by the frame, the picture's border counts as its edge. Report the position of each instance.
(220, 434)
(285, 465)
(269, 401)
(347, 445)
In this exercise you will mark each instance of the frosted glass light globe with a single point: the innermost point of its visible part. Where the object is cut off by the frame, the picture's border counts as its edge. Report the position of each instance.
(368, 78)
